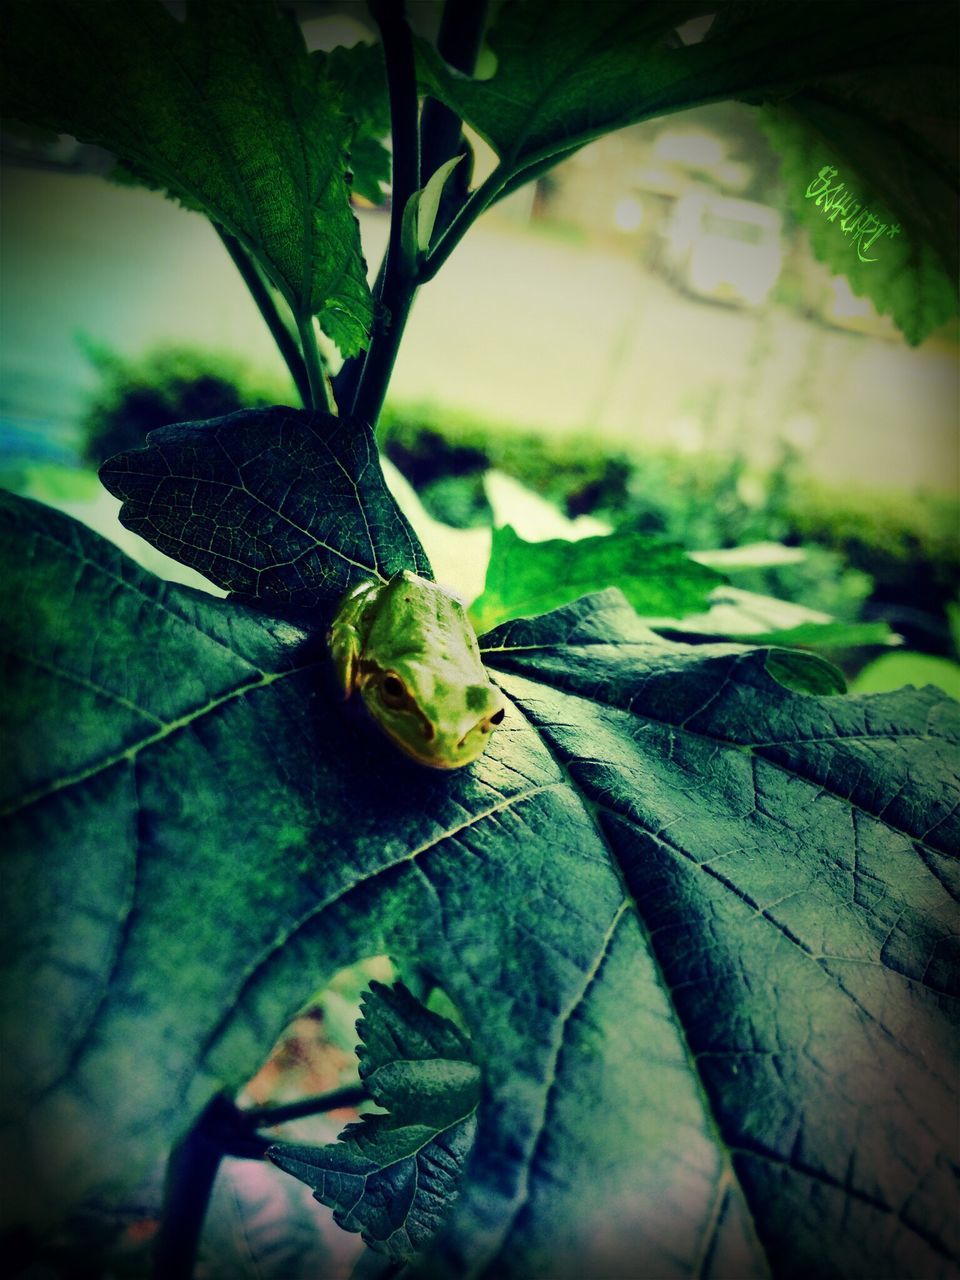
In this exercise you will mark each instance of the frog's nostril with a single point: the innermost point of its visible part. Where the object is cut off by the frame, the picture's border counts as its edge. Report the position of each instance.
(497, 717)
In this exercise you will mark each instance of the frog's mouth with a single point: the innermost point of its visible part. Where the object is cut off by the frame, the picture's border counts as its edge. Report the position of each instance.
(435, 761)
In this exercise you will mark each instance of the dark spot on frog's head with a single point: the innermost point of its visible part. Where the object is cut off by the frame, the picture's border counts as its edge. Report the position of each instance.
(477, 697)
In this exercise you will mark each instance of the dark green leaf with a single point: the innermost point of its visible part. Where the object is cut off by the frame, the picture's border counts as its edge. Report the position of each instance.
(565, 74)
(525, 578)
(700, 927)
(394, 1177)
(281, 504)
(397, 1030)
(225, 111)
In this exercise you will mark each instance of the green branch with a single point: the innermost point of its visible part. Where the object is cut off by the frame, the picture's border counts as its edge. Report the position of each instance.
(398, 289)
(319, 391)
(262, 296)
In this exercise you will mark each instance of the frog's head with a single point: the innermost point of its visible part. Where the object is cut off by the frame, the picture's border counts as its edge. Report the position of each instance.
(431, 712)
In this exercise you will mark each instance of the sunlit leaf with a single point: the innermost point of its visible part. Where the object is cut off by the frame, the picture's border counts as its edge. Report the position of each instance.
(892, 237)
(525, 578)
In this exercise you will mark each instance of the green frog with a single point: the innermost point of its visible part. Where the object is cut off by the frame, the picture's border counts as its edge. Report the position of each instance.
(410, 650)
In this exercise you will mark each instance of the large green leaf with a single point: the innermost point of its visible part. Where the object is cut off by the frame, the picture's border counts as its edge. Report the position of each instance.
(870, 87)
(282, 504)
(698, 926)
(565, 74)
(225, 111)
(568, 73)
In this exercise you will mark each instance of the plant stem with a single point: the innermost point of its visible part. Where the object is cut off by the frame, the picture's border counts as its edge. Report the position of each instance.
(223, 1129)
(319, 394)
(191, 1172)
(397, 293)
(268, 309)
(267, 1117)
(441, 131)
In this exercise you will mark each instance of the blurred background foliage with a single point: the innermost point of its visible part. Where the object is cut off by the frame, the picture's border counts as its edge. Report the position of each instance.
(865, 557)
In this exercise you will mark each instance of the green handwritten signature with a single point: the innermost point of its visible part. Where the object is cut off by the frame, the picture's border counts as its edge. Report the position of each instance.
(856, 221)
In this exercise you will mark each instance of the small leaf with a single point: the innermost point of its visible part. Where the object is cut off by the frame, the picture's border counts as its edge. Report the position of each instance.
(805, 672)
(394, 1177)
(278, 504)
(525, 578)
(429, 202)
(828, 635)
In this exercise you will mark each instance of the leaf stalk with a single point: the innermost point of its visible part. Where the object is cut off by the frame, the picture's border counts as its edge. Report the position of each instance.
(222, 1129)
(398, 288)
(268, 309)
(319, 392)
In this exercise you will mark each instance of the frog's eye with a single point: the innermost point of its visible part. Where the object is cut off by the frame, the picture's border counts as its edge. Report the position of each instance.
(392, 691)
(497, 716)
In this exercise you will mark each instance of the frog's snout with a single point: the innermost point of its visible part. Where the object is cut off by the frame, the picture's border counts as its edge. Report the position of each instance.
(483, 726)
(491, 721)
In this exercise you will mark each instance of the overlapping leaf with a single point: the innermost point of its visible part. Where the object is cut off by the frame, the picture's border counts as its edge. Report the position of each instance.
(224, 111)
(281, 504)
(873, 88)
(362, 79)
(394, 1177)
(699, 926)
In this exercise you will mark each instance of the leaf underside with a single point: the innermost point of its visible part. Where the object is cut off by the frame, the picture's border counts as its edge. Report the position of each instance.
(875, 87)
(225, 112)
(702, 928)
